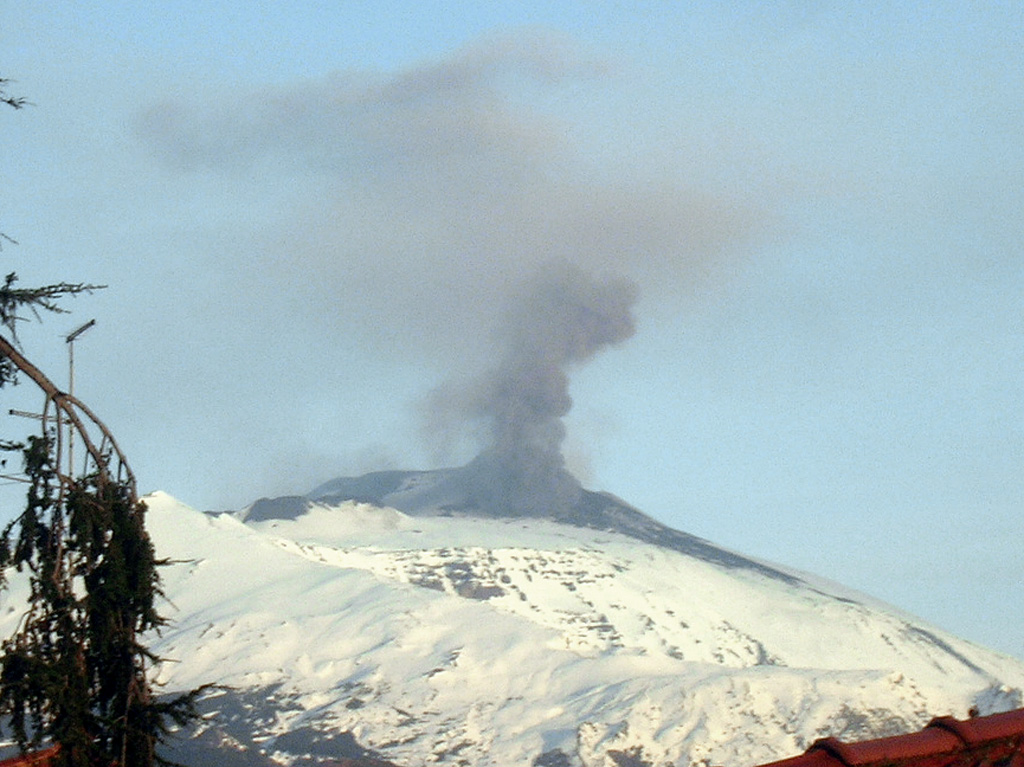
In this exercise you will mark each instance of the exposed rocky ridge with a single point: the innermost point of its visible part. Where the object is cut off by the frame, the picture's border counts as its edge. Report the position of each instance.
(451, 492)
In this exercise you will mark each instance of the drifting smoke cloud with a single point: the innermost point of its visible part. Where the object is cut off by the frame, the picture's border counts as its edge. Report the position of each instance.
(558, 319)
(404, 208)
(418, 197)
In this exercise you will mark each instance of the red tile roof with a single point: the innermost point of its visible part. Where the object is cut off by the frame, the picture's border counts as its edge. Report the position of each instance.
(42, 758)
(987, 741)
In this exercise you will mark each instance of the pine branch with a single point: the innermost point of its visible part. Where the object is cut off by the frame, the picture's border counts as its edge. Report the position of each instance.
(43, 298)
(17, 102)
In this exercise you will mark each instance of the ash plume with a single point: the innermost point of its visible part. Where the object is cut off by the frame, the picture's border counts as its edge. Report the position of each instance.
(398, 210)
(557, 320)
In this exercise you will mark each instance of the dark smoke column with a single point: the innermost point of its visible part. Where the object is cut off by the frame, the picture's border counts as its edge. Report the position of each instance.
(559, 319)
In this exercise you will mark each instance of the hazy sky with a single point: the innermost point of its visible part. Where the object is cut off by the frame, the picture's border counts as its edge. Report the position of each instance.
(311, 215)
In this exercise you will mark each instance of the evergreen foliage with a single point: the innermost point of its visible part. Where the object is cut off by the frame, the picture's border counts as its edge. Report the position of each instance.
(17, 103)
(15, 300)
(75, 672)
(6, 98)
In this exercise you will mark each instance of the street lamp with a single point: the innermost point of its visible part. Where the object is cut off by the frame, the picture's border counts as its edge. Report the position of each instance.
(70, 339)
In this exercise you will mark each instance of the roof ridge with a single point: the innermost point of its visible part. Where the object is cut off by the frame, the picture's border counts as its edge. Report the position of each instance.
(944, 742)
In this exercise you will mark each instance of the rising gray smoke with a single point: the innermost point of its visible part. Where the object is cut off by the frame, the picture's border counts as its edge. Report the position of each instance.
(409, 202)
(559, 319)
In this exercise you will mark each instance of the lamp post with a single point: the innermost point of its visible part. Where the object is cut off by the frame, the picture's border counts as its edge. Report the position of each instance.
(70, 339)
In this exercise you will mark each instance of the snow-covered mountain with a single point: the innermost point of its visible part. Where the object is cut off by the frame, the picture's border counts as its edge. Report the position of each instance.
(382, 617)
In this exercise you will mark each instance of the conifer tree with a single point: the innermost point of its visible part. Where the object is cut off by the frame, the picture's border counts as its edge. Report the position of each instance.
(75, 672)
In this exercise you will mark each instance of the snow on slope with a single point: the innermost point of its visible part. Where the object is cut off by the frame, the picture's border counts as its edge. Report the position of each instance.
(517, 642)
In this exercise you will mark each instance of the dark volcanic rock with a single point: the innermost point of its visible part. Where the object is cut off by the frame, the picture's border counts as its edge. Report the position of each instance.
(455, 492)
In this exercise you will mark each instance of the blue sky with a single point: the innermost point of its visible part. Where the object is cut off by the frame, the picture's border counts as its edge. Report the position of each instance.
(306, 214)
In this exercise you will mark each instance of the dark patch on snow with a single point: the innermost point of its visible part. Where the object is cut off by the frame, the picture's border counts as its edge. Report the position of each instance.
(942, 645)
(214, 746)
(468, 585)
(237, 730)
(445, 754)
(427, 580)
(631, 757)
(554, 758)
(285, 507)
(853, 725)
(997, 699)
(320, 743)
